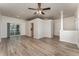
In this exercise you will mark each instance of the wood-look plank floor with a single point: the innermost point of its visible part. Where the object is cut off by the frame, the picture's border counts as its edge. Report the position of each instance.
(25, 46)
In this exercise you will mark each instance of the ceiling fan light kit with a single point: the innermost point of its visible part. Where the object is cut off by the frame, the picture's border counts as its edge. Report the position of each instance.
(39, 12)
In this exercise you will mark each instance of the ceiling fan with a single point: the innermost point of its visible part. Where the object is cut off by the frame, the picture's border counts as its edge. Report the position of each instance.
(40, 10)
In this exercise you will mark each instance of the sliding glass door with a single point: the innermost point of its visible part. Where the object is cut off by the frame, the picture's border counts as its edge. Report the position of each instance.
(12, 29)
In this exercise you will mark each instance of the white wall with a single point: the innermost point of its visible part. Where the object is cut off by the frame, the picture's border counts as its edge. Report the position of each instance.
(48, 28)
(69, 33)
(42, 28)
(57, 27)
(6, 20)
(69, 24)
(0, 29)
(69, 36)
(28, 27)
(36, 27)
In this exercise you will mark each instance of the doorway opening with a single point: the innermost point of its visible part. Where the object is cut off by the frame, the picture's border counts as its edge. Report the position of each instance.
(32, 30)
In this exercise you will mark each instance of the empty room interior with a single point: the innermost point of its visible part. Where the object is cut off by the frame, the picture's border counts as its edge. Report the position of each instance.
(39, 29)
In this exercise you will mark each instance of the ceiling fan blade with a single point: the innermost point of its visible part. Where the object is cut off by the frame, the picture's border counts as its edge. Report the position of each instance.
(46, 8)
(32, 9)
(43, 13)
(39, 5)
(35, 13)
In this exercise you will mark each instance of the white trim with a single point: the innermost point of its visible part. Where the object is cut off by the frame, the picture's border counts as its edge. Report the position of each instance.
(61, 20)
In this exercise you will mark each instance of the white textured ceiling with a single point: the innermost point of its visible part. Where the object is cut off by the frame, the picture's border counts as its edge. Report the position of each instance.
(20, 10)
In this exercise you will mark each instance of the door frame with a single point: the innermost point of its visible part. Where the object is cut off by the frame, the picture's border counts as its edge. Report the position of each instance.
(32, 30)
